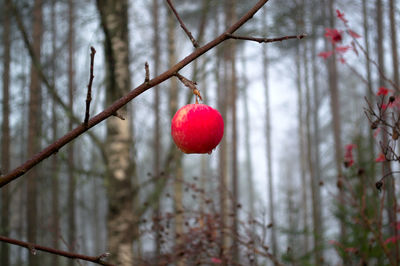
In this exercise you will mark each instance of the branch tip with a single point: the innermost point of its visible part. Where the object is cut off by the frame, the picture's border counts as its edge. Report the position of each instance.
(147, 74)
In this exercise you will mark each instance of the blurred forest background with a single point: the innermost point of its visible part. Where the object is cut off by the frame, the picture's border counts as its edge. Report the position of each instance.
(275, 191)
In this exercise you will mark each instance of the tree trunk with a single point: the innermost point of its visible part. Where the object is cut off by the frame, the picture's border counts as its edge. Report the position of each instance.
(157, 135)
(396, 80)
(386, 166)
(270, 181)
(34, 132)
(120, 219)
(315, 144)
(247, 137)
(336, 121)
(176, 170)
(234, 159)
(393, 35)
(314, 184)
(70, 149)
(5, 136)
(55, 218)
(302, 152)
(370, 93)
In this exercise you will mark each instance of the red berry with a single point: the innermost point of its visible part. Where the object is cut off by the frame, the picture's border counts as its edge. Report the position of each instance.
(197, 128)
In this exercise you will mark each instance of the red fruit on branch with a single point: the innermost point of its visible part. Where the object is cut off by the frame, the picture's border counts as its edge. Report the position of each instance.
(197, 128)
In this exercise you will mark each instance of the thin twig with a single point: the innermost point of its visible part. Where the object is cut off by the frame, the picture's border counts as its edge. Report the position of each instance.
(266, 40)
(188, 33)
(89, 91)
(191, 85)
(33, 247)
(147, 75)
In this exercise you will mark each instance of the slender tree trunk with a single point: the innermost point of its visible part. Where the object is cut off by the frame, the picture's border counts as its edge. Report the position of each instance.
(268, 129)
(177, 169)
(247, 137)
(5, 135)
(302, 152)
(314, 150)
(234, 170)
(222, 155)
(370, 94)
(121, 173)
(157, 131)
(396, 80)
(315, 197)
(70, 151)
(394, 43)
(336, 121)
(386, 166)
(54, 159)
(34, 132)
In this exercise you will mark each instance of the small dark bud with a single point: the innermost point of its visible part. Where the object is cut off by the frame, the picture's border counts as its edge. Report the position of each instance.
(392, 99)
(379, 185)
(321, 183)
(270, 225)
(374, 125)
(339, 184)
(361, 171)
(395, 134)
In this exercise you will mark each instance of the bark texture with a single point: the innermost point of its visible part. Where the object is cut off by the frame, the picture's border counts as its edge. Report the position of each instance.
(34, 132)
(71, 164)
(121, 167)
(5, 136)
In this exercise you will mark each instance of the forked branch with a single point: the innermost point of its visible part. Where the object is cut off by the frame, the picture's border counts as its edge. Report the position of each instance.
(114, 107)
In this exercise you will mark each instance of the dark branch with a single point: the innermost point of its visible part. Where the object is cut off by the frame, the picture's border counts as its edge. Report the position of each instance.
(188, 33)
(33, 248)
(89, 91)
(266, 40)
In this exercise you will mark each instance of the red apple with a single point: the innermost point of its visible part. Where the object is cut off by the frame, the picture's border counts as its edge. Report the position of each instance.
(197, 128)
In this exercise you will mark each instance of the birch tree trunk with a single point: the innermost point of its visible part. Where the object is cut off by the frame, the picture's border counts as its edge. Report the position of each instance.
(120, 218)
(34, 132)
(268, 129)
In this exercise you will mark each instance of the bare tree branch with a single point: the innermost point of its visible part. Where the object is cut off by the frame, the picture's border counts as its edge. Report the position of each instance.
(33, 248)
(89, 91)
(266, 40)
(188, 33)
(111, 110)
